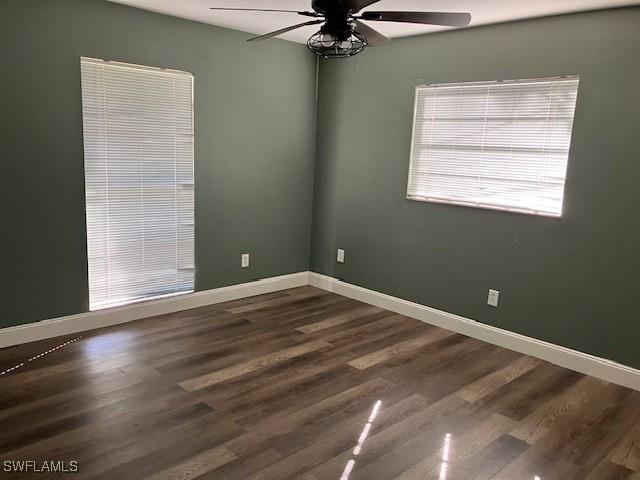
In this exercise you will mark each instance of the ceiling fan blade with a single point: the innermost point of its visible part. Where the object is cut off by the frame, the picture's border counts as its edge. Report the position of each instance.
(449, 19)
(374, 37)
(284, 30)
(258, 10)
(357, 5)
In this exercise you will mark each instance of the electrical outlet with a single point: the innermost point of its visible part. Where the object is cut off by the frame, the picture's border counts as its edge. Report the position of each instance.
(244, 260)
(493, 298)
(340, 257)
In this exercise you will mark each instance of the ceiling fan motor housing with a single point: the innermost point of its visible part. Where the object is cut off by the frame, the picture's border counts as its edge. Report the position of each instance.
(337, 37)
(337, 18)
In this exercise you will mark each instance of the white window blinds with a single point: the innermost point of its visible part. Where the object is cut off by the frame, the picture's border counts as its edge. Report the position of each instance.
(138, 145)
(499, 145)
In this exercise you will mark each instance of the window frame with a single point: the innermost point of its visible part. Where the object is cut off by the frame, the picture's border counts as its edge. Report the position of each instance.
(462, 203)
(102, 305)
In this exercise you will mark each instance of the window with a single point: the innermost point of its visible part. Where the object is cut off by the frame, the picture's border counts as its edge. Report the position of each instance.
(138, 147)
(498, 145)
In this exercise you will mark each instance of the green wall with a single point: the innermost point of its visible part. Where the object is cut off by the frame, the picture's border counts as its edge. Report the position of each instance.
(254, 147)
(573, 281)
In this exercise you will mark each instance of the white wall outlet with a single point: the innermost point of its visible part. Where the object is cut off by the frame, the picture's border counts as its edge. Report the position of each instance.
(340, 257)
(244, 260)
(493, 298)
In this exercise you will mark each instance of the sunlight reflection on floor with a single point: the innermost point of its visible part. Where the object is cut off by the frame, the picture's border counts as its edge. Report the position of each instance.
(445, 457)
(361, 439)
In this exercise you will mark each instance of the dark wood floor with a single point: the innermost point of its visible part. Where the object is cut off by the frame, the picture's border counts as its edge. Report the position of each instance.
(304, 384)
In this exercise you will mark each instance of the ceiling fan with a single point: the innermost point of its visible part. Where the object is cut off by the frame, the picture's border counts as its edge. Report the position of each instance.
(343, 34)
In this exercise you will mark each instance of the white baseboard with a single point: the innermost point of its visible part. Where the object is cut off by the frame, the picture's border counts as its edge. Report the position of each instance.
(81, 322)
(565, 357)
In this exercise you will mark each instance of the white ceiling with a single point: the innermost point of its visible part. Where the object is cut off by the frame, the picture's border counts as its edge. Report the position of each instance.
(482, 12)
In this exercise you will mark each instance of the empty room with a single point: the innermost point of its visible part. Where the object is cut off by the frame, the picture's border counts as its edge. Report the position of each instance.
(320, 239)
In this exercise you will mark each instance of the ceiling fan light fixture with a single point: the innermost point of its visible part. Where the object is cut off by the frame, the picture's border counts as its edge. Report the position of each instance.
(330, 46)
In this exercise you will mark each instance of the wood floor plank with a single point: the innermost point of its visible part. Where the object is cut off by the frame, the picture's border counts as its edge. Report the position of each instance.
(315, 449)
(276, 302)
(340, 319)
(409, 453)
(121, 455)
(593, 445)
(580, 438)
(488, 461)
(535, 425)
(443, 357)
(196, 466)
(449, 374)
(222, 355)
(64, 419)
(243, 467)
(456, 449)
(148, 462)
(388, 435)
(380, 326)
(249, 366)
(99, 434)
(302, 312)
(527, 393)
(609, 471)
(393, 406)
(491, 382)
(252, 412)
(401, 348)
(627, 452)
